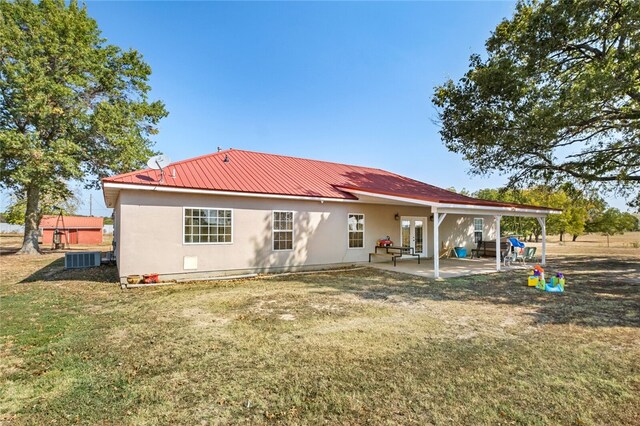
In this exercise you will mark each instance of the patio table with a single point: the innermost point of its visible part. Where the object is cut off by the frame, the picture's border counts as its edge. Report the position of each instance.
(396, 252)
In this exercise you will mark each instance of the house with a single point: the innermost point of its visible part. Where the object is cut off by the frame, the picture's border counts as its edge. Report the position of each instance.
(237, 211)
(76, 229)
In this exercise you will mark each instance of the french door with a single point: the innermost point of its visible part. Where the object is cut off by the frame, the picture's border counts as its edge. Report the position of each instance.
(413, 232)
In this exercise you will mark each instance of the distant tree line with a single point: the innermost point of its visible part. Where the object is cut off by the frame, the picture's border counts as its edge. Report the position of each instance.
(582, 212)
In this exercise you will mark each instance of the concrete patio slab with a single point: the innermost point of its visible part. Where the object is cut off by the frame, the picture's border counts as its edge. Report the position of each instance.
(449, 268)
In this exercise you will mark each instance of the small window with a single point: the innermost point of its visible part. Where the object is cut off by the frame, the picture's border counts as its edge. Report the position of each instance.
(478, 226)
(207, 226)
(282, 230)
(356, 230)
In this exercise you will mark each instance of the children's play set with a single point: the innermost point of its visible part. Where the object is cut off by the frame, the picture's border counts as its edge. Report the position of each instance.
(555, 285)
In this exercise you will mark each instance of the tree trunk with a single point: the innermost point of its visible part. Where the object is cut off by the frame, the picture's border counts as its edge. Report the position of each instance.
(608, 240)
(575, 237)
(31, 223)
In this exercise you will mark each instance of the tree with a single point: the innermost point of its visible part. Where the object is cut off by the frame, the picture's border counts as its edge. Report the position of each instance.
(576, 206)
(594, 206)
(612, 221)
(555, 99)
(631, 222)
(573, 203)
(16, 211)
(512, 225)
(71, 106)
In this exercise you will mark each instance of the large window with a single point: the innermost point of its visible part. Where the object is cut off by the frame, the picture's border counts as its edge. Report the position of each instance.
(478, 225)
(356, 230)
(283, 230)
(207, 226)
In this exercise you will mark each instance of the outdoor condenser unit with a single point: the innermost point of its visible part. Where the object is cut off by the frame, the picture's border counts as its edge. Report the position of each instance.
(87, 259)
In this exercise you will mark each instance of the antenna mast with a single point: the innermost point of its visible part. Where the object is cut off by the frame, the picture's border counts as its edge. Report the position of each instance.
(159, 162)
(161, 171)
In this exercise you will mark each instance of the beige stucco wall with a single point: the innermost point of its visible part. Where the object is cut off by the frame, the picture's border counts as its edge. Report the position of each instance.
(458, 230)
(116, 229)
(149, 232)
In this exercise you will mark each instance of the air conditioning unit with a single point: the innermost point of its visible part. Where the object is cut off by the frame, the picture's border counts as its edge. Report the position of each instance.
(87, 259)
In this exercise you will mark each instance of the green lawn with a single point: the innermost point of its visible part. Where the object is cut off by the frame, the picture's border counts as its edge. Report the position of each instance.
(351, 347)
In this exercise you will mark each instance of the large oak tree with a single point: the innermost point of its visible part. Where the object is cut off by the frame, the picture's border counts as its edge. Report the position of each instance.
(72, 107)
(555, 98)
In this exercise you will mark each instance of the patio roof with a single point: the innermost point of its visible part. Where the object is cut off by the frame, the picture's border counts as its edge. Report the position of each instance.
(477, 209)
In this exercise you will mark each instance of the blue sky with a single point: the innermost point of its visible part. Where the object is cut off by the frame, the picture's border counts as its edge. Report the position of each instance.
(346, 82)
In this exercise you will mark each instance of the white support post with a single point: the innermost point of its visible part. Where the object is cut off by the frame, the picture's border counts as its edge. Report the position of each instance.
(543, 224)
(436, 245)
(497, 218)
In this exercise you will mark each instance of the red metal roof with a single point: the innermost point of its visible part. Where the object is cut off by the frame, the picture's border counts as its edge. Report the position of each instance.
(71, 222)
(254, 172)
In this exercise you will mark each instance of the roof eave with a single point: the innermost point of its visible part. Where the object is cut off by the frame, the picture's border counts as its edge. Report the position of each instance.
(111, 189)
(485, 209)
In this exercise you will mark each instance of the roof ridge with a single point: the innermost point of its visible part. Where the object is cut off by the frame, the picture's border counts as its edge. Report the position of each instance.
(199, 157)
(229, 150)
(303, 158)
(170, 164)
(431, 185)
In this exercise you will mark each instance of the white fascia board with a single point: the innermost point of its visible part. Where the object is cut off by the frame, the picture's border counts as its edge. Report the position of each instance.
(390, 197)
(464, 209)
(490, 211)
(120, 186)
(459, 208)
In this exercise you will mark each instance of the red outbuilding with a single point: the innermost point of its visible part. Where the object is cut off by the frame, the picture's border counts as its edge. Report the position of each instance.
(77, 229)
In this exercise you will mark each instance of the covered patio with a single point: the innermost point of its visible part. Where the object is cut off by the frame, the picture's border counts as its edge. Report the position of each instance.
(451, 205)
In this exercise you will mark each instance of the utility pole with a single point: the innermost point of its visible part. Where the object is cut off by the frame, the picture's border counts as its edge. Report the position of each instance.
(90, 204)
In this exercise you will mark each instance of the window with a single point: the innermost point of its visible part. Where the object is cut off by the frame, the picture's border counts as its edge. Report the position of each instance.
(356, 230)
(282, 230)
(478, 225)
(207, 226)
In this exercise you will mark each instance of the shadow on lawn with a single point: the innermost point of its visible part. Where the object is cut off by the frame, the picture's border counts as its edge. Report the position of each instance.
(601, 292)
(55, 271)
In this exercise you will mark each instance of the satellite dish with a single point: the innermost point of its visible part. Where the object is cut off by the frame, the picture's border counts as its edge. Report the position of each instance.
(158, 162)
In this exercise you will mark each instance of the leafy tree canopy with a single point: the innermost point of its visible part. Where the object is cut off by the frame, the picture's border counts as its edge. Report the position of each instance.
(578, 207)
(612, 221)
(557, 97)
(72, 107)
(16, 211)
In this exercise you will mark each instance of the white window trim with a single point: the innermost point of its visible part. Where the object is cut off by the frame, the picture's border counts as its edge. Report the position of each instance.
(273, 231)
(184, 243)
(481, 228)
(364, 230)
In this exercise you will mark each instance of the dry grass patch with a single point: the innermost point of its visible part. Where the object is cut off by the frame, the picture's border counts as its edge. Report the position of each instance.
(348, 348)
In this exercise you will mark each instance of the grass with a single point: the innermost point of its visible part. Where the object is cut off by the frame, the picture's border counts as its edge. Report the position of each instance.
(349, 348)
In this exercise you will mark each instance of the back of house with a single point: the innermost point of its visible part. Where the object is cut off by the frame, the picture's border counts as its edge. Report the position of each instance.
(235, 212)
